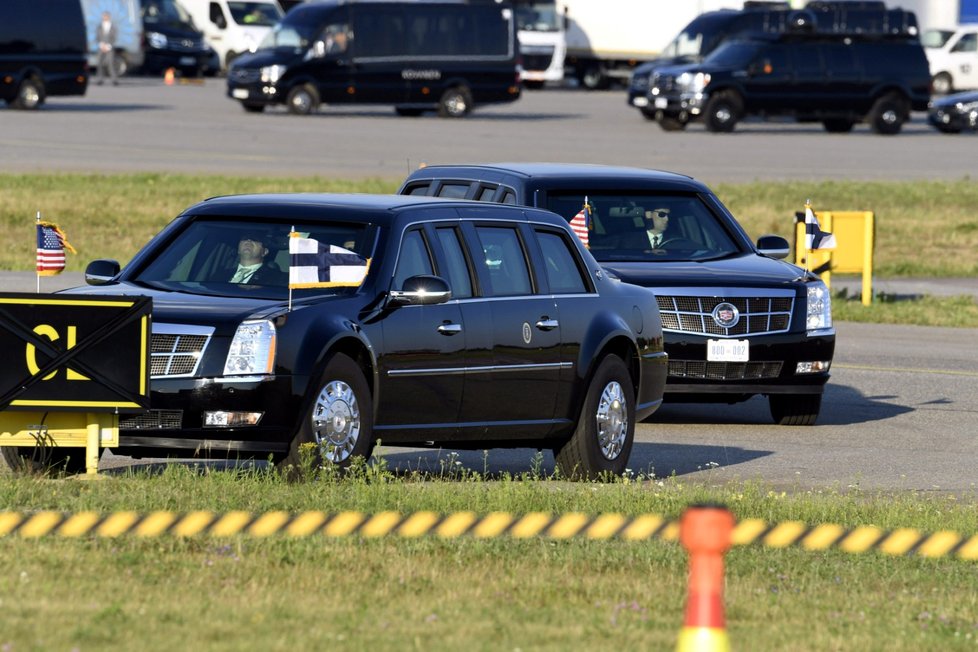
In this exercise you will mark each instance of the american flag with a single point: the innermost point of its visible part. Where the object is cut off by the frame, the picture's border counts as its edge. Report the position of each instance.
(581, 223)
(815, 237)
(313, 264)
(51, 247)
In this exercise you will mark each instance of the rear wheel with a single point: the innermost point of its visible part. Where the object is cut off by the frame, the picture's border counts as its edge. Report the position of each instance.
(593, 78)
(722, 112)
(888, 114)
(942, 84)
(302, 100)
(339, 421)
(795, 409)
(602, 441)
(838, 125)
(30, 94)
(456, 102)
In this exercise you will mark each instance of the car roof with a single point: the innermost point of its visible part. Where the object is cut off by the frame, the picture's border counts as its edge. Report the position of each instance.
(566, 175)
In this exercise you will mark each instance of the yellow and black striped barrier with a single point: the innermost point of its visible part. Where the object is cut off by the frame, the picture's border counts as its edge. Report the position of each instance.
(643, 527)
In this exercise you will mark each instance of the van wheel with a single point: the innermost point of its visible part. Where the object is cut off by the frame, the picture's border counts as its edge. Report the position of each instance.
(888, 114)
(455, 102)
(942, 84)
(252, 108)
(338, 422)
(602, 441)
(795, 409)
(723, 111)
(593, 78)
(671, 124)
(30, 94)
(302, 100)
(838, 125)
(408, 112)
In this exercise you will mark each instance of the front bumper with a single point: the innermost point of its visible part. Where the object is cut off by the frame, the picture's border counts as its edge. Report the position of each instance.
(683, 107)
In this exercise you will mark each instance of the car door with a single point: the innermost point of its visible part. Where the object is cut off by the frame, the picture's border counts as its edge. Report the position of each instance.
(769, 81)
(422, 369)
(964, 61)
(514, 393)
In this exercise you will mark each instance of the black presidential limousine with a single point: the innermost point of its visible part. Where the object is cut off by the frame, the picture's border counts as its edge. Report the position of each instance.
(416, 321)
(737, 321)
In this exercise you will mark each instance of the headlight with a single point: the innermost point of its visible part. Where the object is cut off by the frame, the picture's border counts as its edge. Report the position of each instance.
(271, 74)
(252, 349)
(819, 310)
(689, 82)
(156, 40)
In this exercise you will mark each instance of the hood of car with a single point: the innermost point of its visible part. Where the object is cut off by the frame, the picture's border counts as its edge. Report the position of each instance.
(743, 271)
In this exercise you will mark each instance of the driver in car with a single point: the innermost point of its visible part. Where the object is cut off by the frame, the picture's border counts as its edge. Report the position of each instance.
(656, 223)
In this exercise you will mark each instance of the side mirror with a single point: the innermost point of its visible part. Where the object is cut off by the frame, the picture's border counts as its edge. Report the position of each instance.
(773, 246)
(421, 290)
(101, 271)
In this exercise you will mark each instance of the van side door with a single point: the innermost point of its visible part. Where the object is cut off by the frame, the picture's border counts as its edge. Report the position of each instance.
(330, 56)
(379, 53)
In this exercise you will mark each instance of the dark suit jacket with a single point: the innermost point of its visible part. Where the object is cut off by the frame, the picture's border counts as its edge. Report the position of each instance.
(267, 274)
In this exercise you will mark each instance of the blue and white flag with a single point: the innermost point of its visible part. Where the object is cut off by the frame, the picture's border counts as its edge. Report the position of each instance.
(815, 237)
(313, 264)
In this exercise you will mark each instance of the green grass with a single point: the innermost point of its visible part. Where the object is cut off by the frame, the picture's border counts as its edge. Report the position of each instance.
(502, 594)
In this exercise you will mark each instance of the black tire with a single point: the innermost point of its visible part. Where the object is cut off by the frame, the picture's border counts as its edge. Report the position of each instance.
(533, 84)
(121, 63)
(602, 441)
(30, 95)
(722, 112)
(456, 102)
(408, 112)
(795, 409)
(252, 108)
(947, 129)
(671, 124)
(302, 99)
(593, 78)
(44, 460)
(888, 114)
(942, 84)
(338, 420)
(647, 113)
(838, 125)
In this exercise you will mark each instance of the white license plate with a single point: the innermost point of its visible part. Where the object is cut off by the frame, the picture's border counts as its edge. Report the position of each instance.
(240, 93)
(728, 350)
(661, 102)
(640, 101)
(187, 61)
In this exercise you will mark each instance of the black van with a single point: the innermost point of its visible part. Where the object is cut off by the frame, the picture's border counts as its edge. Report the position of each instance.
(42, 51)
(171, 40)
(448, 56)
(707, 32)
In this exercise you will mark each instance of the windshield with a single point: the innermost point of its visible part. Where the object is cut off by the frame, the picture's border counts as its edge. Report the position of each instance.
(698, 38)
(537, 17)
(935, 38)
(647, 227)
(239, 258)
(259, 14)
(733, 54)
(165, 12)
(297, 36)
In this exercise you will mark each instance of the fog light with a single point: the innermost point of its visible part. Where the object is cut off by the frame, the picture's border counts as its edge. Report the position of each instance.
(231, 419)
(813, 367)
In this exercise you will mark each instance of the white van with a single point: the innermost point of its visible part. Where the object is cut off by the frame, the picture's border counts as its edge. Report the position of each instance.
(233, 27)
(953, 58)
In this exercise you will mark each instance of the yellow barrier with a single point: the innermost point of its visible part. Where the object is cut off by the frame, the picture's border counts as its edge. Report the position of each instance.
(855, 235)
(644, 527)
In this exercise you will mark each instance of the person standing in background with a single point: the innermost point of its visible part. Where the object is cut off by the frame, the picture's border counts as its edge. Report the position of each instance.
(105, 37)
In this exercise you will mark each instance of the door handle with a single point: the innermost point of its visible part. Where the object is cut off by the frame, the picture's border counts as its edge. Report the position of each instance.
(547, 324)
(450, 329)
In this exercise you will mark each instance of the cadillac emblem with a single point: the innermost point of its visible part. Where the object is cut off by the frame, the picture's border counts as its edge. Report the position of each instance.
(726, 315)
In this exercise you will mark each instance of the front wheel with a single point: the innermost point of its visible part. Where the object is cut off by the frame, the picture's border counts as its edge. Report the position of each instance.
(602, 441)
(795, 409)
(30, 95)
(302, 100)
(888, 114)
(722, 112)
(671, 124)
(942, 84)
(455, 102)
(339, 421)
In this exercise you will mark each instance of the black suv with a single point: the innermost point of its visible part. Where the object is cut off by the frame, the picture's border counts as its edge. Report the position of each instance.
(737, 322)
(837, 80)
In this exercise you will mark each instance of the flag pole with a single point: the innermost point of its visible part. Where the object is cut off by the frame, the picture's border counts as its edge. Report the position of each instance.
(37, 273)
(291, 232)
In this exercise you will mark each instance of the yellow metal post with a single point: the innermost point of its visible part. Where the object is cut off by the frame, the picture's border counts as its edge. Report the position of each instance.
(92, 444)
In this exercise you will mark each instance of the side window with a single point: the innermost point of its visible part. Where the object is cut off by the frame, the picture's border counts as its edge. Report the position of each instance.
(562, 271)
(413, 259)
(453, 190)
(509, 198)
(457, 273)
(485, 193)
(808, 61)
(418, 189)
(967, 43)
(504, 259)
(217, 16)
(774, 60)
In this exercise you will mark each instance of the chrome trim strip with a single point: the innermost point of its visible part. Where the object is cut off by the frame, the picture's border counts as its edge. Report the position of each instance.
(488, 369)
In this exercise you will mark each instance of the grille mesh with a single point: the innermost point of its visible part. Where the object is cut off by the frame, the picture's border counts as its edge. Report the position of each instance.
(153, 420)
(175, 354)
(724, 370)
(758, 315)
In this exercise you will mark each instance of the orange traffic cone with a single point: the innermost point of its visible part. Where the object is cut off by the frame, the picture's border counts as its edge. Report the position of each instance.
(168, 77)
(705, 532)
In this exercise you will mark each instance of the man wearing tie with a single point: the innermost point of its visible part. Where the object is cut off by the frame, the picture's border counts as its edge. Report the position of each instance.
(656, 221)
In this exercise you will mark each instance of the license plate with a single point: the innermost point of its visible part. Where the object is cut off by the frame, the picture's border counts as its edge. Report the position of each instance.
(728, 350)
(661, 102)
(240, 93)
(640, 101)
(187, 61)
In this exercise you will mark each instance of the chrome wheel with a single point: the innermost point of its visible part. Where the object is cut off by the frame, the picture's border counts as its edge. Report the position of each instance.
(336, 421)
(612, 420)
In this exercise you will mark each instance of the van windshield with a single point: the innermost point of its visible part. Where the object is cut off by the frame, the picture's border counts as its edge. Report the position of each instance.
(699, 38)
(256, 14)
(166, 12)
(294, 37)
(734, 54)
(537, 16)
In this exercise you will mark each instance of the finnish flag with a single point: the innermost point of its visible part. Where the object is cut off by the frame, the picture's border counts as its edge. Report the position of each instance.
(313, 264)
(815, 237)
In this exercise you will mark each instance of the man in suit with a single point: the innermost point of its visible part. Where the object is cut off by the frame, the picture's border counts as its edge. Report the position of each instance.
(105, 38)
(252, 267)
(652, 234)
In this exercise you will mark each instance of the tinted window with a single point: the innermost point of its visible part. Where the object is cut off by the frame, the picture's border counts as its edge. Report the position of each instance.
(453, 190)
(504, 260)
(420, 189)
(486, 193)
(563, 273)
(30, 26)
(413, 258)
(457, 273)
(808, 61)
(736, 54)
(967, 43)
(509, 198)
(840, 60)
(432, 31)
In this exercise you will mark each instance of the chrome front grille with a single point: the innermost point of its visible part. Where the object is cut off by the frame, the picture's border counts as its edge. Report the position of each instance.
(153, 420)
(664, 83)
(176, 349)
(724, 370)
(758, 315)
